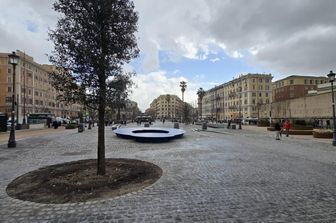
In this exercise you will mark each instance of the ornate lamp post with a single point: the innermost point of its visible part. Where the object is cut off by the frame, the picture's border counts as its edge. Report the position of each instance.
(14, 60)
(331, 77)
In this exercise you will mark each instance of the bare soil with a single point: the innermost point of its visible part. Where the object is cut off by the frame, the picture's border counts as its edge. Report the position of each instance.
(78, 181)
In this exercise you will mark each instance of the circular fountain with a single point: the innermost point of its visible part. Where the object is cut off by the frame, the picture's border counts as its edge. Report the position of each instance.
(149, 134)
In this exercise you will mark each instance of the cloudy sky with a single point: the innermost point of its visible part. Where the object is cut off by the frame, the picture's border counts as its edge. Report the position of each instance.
(204, 42)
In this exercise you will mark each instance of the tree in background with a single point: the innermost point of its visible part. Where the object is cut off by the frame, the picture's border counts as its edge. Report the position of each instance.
(120, 86)
(200, 93)
(183, 86)
(93, 39)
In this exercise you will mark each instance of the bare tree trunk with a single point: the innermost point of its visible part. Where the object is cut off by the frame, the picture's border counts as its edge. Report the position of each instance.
(101, 128)
(101, 141)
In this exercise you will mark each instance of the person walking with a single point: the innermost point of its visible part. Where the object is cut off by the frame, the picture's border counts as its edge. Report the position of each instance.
(277, 128)
(287, 126)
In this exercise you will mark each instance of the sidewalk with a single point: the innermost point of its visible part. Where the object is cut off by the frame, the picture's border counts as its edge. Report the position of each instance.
(28, 133)
(264, 130)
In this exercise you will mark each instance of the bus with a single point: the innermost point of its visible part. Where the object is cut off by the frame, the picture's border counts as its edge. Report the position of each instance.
(39, 118)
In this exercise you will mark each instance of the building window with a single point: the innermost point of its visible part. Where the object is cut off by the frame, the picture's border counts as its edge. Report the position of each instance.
(267, 80)
(260, 95)
(315, 81)
(253, 94)
(9, 70)
(253, 87)
(266, 94)
(8, 99)
(36, 93)
(253, 80)
(311, 81)
(260, 87)
(260, 80)
(291, 81)
(9, 89)
(305, 81)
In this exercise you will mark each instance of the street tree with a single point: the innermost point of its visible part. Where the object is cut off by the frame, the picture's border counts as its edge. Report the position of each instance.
(93, 39)
(183, 86)
(201, 94)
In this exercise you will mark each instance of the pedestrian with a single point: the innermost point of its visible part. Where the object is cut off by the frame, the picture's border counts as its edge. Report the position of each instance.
(229, 123)
(277, 128)
(287, 126)
(163, 120)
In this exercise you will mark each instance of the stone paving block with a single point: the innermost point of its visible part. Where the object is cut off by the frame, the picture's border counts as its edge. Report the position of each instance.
(223, 176)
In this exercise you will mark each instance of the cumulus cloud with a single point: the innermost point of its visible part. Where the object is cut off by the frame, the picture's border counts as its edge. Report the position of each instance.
(288, 36)
(24, 26)
(150, 86)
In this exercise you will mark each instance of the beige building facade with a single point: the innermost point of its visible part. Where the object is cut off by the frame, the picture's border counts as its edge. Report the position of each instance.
(239, 98)
(34, 92)
(167, 106)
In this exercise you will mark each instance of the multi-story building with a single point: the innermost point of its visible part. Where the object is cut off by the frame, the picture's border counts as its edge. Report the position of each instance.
(167, 106)
(239, 98)
(130, 111)
(295, 86)
(34, 92)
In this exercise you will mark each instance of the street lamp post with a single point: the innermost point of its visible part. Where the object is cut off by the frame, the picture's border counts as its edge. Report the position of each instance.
(14, 60)
(331, 77)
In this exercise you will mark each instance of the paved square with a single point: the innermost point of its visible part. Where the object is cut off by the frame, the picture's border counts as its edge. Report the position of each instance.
(213, 176)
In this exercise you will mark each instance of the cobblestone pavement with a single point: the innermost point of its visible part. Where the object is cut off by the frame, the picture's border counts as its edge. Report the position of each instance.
(208, 176)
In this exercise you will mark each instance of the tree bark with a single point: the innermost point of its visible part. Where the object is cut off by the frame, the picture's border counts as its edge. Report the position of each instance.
(101, 140)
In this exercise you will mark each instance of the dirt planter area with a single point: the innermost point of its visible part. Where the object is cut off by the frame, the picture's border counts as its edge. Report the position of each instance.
(77, 181)
(323, 134)
(300, 132)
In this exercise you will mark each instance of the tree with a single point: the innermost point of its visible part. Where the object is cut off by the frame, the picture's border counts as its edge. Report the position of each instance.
(93, 40)
(120, 87)
(200, 93)
(183, 86)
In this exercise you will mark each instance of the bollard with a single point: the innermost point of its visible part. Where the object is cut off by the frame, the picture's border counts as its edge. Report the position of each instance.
(81, 127)
(204, 126)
